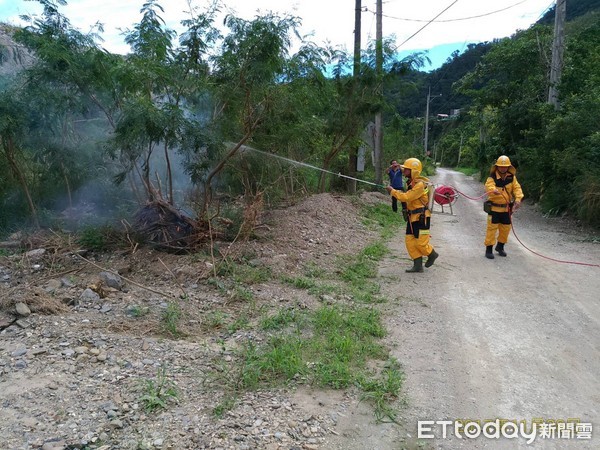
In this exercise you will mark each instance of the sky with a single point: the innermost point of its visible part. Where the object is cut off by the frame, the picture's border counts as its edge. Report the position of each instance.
(436, 26)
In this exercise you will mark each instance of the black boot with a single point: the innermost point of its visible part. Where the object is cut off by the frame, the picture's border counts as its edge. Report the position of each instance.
(431, 258)
(500, 249)
(488, 252)
(417, 265)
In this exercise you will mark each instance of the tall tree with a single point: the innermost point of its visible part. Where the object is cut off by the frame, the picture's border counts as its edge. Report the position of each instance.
(13, 126)
(247, 72)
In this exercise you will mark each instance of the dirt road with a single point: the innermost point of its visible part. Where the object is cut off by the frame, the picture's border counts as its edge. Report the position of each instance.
(511, 338)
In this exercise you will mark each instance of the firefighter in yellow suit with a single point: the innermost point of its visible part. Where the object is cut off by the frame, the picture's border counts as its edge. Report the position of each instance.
(419, 215)
(505, 194)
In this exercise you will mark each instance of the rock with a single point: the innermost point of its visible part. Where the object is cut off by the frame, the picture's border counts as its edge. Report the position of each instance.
(35, 254)
(52, 286)
(66, 282)
(21, 364)
(22, 309)
(19, 352)
(116, 423)
(22, 323)
(89, 295)
(111, 280)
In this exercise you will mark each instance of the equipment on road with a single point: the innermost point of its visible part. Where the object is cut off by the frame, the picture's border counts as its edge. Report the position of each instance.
(445, 196)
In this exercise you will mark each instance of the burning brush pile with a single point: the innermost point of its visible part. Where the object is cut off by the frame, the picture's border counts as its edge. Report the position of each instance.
(161, 225)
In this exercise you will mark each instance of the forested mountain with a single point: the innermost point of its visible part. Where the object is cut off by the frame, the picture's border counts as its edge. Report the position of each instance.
(412, 102)
(502, 89)
(575, 8)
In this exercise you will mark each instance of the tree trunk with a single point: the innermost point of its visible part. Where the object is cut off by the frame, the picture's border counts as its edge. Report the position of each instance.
(146, 175)
(218, 168)
(335, 149)
(67, 184)
(169, 176)
(9, 151)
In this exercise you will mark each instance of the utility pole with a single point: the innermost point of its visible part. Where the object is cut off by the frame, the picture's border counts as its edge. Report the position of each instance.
(460, 150)
(379, 72)
(353, 157)
(425, 140)
(558, 47)
(357, 38)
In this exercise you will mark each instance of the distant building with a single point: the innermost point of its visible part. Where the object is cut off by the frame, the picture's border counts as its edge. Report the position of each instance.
(442, 116)
(454, 112)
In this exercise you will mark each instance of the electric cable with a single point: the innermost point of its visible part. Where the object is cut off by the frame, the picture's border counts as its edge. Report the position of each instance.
(426, 25)
(455, 20)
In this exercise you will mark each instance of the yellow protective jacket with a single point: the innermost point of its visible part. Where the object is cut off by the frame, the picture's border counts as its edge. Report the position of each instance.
(416, 198)
(507, 184)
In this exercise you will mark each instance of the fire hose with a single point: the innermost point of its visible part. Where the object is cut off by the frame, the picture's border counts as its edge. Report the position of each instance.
(447, 195)
(443, 195)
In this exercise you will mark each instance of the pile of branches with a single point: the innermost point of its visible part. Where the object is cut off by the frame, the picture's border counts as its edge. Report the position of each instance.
(161, 225)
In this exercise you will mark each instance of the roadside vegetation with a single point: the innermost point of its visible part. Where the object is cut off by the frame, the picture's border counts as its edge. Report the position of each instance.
(203, 125)
(336, 345)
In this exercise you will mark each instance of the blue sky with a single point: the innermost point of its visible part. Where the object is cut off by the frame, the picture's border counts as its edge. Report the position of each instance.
(457, 22)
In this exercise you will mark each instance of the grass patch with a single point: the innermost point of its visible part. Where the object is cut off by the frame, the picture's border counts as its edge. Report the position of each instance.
(241, 294)
(241, 323)
(215, 320)
(381, 216)
(467, 170)
(138, 311)
(99, 238)
(329, 347)
(359, 271)
(312, 270)
(382, 391)
(234, 277)
(170, 319)
(364, 265)
(242, 272)
(158, 392)
(300, 282)
(226, 404)
(316, 288)
(283, 319)
(335, 346)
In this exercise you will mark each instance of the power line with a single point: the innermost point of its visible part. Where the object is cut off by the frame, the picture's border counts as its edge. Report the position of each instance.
(456, 20)
(426, 25)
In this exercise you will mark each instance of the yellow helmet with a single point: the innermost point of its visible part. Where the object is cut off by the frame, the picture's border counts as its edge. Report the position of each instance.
(503, 161)
(414, 165)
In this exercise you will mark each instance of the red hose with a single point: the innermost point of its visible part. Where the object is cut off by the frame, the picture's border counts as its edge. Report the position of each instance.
(444, 195)
(448, 194)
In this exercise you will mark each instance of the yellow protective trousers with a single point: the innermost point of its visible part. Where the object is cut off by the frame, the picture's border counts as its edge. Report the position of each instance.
(501, 229)
(418, 247)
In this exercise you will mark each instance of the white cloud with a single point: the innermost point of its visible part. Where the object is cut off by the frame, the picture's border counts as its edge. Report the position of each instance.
(329, 20)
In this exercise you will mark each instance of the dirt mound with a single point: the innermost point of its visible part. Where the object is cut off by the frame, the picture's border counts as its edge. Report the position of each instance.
(316, 230)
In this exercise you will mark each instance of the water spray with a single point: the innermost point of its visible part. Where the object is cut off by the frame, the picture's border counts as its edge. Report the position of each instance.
(298, 163)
